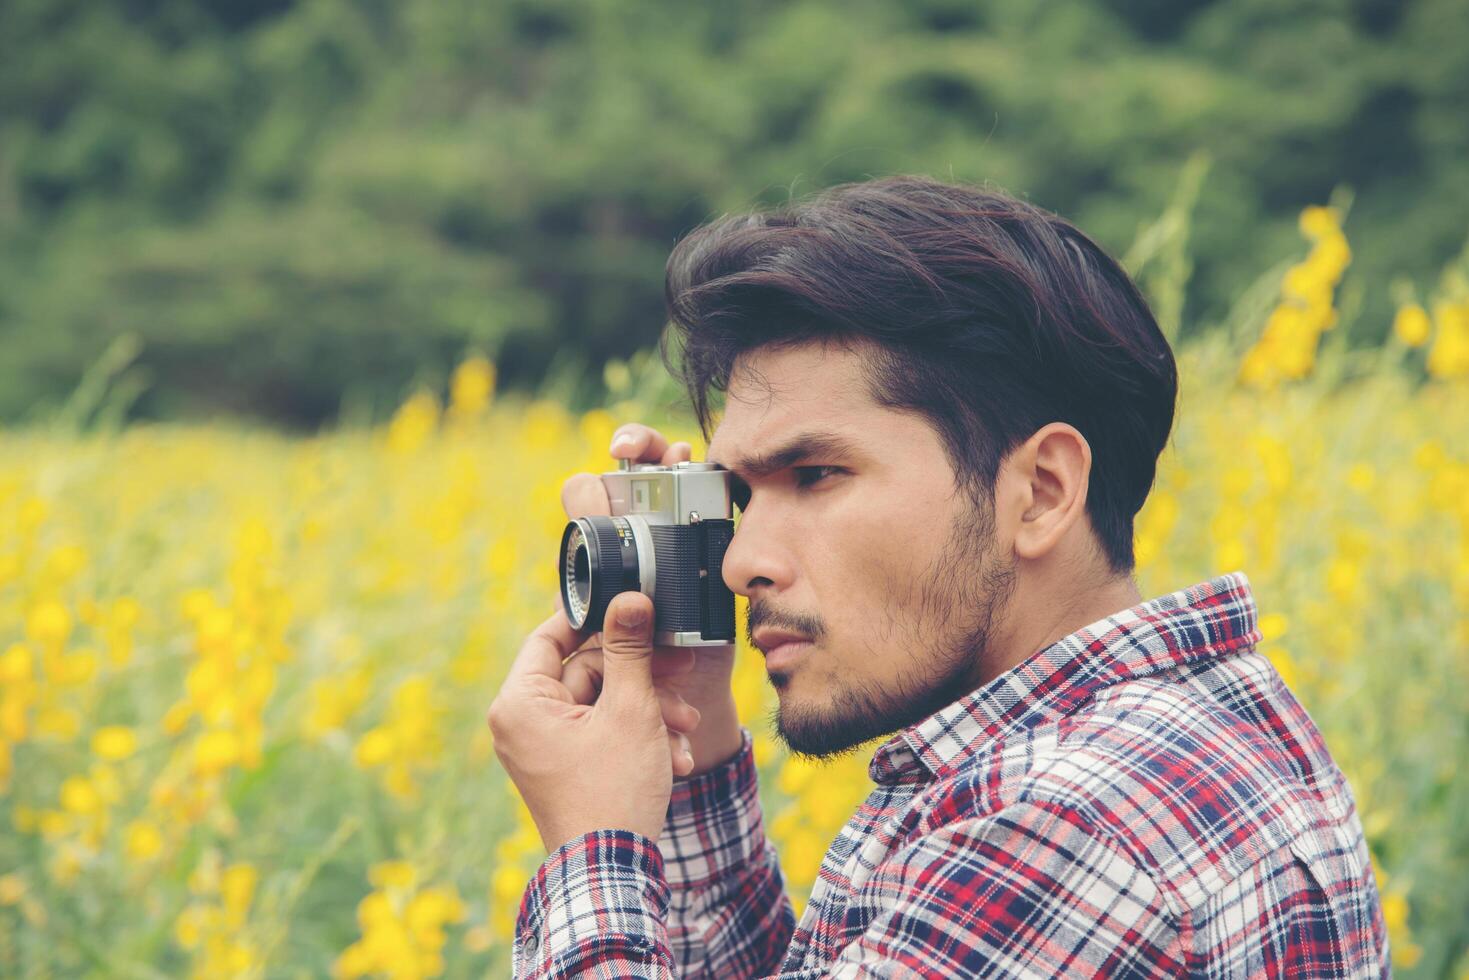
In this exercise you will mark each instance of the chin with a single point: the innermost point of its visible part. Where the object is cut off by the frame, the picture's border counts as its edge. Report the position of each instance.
(815, 731)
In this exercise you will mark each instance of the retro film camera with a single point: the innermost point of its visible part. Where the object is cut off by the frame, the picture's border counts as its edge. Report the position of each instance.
(666, 538)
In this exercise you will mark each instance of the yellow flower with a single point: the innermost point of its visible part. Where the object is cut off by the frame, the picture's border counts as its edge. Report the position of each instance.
(142, 840)
(114, 742)
(427, 913)
(80, 797)
(216, 750)
(471, 387)
(237, 890)
(75, 669)
(188, 928)
(49, 624)
(33, 514)
(1395, 914)
(1318, 222)
(415, 420)
(196, 603)
(333, 700)
(176, 717)
(508, 884)
(1449, 355)
(1362, 477)
(63, 724)
(400, 939)
(16, 664)
(392, 874)
(125, 612)
(374, 748)
(1412, 326)
(1273, 626)
(1285, 666)
(63, 563)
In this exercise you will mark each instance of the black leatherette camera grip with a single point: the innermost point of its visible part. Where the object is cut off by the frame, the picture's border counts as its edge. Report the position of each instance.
(685, 600)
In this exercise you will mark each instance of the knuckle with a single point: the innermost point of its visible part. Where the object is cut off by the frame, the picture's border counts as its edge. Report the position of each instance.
(496, 718)
(574, 486)
(583, 494)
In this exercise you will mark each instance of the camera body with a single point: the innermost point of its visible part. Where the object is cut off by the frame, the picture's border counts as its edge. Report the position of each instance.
(666, 538)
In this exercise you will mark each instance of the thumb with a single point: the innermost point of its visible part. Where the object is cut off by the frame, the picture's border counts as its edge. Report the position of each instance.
(627, 650)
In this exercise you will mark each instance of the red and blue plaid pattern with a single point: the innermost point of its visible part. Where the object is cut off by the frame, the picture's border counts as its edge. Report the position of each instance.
(1143, 797)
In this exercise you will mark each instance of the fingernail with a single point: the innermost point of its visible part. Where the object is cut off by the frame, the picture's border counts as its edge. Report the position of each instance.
(631, 615)
(621, 442)
(688, 757)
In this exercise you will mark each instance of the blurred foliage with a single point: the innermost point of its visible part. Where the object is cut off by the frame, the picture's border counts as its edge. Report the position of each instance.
(301, 208)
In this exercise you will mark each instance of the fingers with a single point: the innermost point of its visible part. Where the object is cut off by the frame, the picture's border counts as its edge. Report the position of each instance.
(627, 655)
(678, 714)
(683, 759)
(644, 444)
(583, 495)
(544, 650)
(582, 676)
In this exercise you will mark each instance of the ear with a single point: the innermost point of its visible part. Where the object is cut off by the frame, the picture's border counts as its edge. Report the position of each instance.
(1052, 467)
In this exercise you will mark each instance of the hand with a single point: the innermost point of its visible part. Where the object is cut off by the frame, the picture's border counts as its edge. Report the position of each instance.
(707, 686)
(584, 767)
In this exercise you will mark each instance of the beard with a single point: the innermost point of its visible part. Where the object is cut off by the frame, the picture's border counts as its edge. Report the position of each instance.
(955, 600)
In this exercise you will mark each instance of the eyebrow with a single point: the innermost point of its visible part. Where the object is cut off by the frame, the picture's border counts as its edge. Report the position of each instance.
(796, 449)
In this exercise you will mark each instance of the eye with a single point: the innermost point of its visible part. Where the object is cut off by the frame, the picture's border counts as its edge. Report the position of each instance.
(808, 475)
(739, 493)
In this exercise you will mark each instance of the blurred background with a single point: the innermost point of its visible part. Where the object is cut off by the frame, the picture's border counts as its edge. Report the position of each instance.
(301, 208)
(309, 307)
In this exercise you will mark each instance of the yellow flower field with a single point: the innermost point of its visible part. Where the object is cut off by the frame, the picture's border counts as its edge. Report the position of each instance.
(245, 674)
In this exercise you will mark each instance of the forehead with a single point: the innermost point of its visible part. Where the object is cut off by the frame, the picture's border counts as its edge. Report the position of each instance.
(777, 392)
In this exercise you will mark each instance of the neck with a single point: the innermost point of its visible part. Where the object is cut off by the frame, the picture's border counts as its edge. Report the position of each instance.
(1038, 617)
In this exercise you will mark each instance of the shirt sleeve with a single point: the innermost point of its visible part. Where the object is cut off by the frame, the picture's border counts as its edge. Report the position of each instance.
(1032, 890)
(729, 913)
(595, 908)
(606, 904)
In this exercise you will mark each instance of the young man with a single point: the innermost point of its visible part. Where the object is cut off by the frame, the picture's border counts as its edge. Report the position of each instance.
(944, 408)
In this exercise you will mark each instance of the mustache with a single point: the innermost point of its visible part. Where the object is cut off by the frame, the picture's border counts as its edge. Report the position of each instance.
(765, 615)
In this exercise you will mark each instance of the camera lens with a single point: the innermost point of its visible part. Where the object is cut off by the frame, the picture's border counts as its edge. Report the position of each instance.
(581, 574)
(599, 559)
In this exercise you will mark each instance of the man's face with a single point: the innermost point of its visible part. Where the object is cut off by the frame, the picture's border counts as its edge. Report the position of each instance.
(865, 545)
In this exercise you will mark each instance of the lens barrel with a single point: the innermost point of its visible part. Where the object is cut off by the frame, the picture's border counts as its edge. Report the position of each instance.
(678, 566)
(599, 559)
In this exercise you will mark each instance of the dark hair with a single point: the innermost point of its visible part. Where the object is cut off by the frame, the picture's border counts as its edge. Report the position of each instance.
(987, 316)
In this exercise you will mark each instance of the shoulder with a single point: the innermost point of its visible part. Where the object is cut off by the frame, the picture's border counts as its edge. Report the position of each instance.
(1193, 788)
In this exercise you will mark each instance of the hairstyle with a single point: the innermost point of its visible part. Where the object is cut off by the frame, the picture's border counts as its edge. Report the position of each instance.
(987, 316)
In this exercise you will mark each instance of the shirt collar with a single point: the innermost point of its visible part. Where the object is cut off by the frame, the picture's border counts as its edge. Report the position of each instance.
(1214, 618)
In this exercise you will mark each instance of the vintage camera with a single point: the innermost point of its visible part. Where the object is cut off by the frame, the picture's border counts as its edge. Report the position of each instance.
(666, 538)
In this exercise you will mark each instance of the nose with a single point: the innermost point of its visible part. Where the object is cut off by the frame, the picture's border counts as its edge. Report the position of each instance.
(758, 557)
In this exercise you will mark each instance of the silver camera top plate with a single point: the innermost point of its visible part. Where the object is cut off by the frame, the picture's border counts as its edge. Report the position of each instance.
(683, 493)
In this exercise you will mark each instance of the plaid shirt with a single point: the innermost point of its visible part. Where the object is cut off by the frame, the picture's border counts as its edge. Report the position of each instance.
(1143, 797)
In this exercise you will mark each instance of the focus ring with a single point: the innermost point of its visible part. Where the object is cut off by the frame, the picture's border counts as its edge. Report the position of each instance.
(614, 565)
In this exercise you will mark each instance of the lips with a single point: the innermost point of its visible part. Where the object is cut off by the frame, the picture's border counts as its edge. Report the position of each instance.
(768, 640)
(781, 648)
(786, 654)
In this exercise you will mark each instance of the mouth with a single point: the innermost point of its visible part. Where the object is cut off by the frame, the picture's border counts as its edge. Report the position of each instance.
(786, 654)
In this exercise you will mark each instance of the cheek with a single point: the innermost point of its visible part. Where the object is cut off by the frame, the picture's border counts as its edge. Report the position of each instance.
(868, 580)
(887, 560)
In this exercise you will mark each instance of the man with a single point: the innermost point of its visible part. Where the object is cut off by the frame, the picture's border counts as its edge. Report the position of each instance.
(944, 408)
